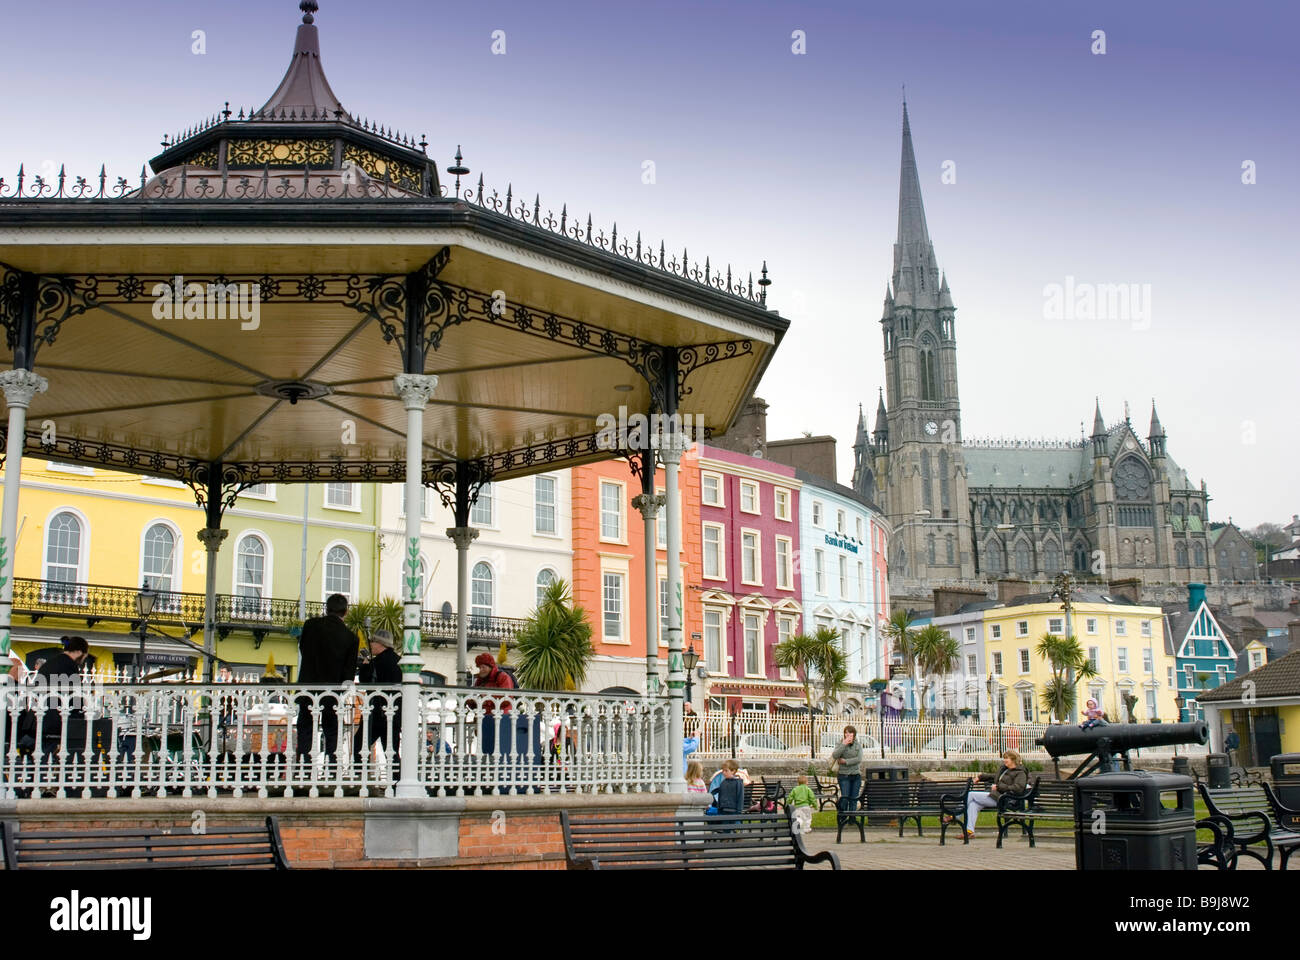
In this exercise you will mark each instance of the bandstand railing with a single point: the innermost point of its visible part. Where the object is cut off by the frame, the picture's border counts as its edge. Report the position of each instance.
(189, 739)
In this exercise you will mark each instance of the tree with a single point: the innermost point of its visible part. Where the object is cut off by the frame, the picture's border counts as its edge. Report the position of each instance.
(936, 652)
(898, 631)
(1063, 655)
(815, 658)
(554, 645)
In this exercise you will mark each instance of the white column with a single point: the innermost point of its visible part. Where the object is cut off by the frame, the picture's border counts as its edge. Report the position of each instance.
(649, 505)
(19, 387)
(415, 390)
(673, 445)
(211, 538)
(462, 537)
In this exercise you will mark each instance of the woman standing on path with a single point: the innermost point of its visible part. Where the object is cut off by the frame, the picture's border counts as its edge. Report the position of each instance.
(848, 757)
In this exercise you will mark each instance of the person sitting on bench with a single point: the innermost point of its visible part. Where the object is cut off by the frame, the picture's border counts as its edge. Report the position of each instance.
(1012, 778)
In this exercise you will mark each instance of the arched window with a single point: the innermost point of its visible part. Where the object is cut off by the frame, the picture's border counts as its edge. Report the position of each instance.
(250, 576)
(1052, 559)
(338, 571)
(1200, 555)
(158, 561)
(929, 377)
(926, 496)
(1180, 553)
(545, 577)
(943, 483)
(63, 556)
(1023, 564)
(482, 590)
(1196, 508)
(993, 556)
(1223, 557)
(1081, 558)
(948, 541)
(1180, 508)
(929, 547)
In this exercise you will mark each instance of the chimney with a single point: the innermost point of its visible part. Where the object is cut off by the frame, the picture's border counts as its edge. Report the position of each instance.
(1294, 628)
(948, 600)
(1241, 608)
(1129, 588)
(748, 435)
(1196, 596)
(1011, 589)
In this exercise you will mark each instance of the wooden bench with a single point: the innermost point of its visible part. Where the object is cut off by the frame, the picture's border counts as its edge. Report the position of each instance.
(1275, 825)
(826, 794)
(910, 800)
(748, 841)
(1045, 800)
(143, 849)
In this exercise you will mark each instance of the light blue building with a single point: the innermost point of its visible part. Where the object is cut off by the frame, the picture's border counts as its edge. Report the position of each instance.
(843, 589)
(1203, 656)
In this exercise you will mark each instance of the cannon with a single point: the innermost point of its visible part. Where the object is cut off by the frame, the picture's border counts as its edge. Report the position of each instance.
(1104, 741)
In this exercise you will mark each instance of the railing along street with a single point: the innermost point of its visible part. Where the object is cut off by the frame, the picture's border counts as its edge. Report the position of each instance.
(189, 739)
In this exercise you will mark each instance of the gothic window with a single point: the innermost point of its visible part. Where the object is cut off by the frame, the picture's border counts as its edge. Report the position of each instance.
(1200, 555)
(1133, 486)
(943, 482)
(1196, 508)
(927, 499)
(1180, 508)
(949, 544)
(1022, 558)
(993, 556)
(929, 379)
(1180, 552)
(1081, 558)
(929, 547)
(1052, 561)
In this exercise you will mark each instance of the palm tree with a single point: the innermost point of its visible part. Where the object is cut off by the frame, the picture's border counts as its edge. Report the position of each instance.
(935, 652)
(1063, 654)
(355, 618)
(816, 657)
(554, 645)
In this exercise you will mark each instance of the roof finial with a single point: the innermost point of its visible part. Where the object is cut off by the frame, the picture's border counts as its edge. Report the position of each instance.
(308, 7)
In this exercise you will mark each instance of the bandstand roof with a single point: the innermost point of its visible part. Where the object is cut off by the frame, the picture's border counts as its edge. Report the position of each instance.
(535, 322)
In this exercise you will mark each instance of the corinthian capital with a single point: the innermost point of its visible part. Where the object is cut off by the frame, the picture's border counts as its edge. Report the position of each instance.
(415, 389)
(21, 385)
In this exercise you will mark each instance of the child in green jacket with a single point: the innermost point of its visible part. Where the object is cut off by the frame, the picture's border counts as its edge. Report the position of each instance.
(802, 795)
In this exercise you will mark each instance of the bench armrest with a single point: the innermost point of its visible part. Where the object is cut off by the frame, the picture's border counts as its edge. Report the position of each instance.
(1234, 818)
(826, 856)
(1286, 816)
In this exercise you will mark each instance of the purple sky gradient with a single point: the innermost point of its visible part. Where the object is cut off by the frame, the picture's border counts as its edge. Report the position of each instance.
(1122, 168)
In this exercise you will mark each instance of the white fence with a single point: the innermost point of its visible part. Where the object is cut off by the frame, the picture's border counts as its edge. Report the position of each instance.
(774, 735)
(132, 740)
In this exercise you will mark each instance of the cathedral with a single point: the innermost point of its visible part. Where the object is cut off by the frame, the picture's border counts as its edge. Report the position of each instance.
(1110, 506)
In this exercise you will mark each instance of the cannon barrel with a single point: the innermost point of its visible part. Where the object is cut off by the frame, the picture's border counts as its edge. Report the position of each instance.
(1067, 739)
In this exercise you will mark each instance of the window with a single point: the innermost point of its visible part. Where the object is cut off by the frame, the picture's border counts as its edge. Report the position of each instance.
(995, 631)
(997, 663)
(713, 551)
(1056, 625)
(1092, 658)
(862, 582)
(482, 590)
(713, 640)
(1023, 564)
(1052, 558)
(1002, 706)
(753, 641)
(663, 610)
(858, 523)
(545, 577)
(1146, 628)
(338, 571)
(250, 577)
(481, 513)
(612, 605)
(817, 513)
(782, 500)
(750, 571)
(970, 634)
(611, 511)
(819, 560)
(158, 562)
(970, 663)
(711, 489)
(1256, 659)
(1151, 705)
(1222, 671)
(748, 497)
(1091, 624)
(544, 505)
(661, 526)
(949, 549)
(784, 566)
(1170, 676)
(1122, 656)
(1024, 659)
(342, 496)
(784, 630)
(1027, 706)
(1121, 628)
(844, 577)
(839, 521)
(1022, 628)
(63, 556)
(1148, 662)
(258, 491)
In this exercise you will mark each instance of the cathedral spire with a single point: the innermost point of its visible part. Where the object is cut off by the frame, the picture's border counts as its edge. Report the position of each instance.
(1156, 437)
(911, 212)
(916, 275)
(882, 420)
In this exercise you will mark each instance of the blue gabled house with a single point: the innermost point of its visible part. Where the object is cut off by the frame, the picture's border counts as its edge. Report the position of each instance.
(1204, 659)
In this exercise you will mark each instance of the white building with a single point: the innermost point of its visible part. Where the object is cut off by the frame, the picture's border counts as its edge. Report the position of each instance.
(524, 543)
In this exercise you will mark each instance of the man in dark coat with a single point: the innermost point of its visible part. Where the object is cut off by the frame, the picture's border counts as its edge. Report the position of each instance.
(382, 666)
(327, 654)
(61, 673)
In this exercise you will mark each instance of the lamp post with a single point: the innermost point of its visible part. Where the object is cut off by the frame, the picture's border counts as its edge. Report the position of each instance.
(994, 707)
(691, 659)
(144, 602)
(1179, 701)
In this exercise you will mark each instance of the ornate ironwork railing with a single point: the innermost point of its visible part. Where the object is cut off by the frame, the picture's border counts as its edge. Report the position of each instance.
(95, 602)
(128, 741)
(312, 186)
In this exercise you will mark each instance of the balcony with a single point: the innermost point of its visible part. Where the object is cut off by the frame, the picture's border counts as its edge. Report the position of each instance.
(260, 616)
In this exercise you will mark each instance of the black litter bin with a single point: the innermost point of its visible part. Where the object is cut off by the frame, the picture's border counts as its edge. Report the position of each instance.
(1134, 821)
(884, 773)
(1286, 778)
(1182, 766)
(1218, 772)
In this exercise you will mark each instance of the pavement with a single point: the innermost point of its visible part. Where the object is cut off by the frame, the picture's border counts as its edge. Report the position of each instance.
(884, 850)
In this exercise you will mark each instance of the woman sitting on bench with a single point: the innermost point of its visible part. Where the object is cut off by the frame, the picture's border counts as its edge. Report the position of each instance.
(1012, 778)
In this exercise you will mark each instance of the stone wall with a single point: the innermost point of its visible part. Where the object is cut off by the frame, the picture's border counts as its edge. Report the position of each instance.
(919, 595)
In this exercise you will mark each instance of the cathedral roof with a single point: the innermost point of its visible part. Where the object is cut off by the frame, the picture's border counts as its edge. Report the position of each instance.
(1026, 463)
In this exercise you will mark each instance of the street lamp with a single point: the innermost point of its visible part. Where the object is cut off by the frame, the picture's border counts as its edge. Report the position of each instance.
(994, 707)
(691, 659)
(144, 603)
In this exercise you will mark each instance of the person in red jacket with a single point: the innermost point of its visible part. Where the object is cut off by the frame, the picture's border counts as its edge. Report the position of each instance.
(490, 675)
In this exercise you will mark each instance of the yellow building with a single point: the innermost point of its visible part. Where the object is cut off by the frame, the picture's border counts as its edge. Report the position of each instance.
(1125, 642)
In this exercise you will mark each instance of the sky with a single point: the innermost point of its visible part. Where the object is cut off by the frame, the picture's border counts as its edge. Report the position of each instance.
(1043, 162)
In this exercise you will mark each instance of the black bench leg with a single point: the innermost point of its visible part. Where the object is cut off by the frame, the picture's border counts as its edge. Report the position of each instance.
(1030, 828)
(1002, 829)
